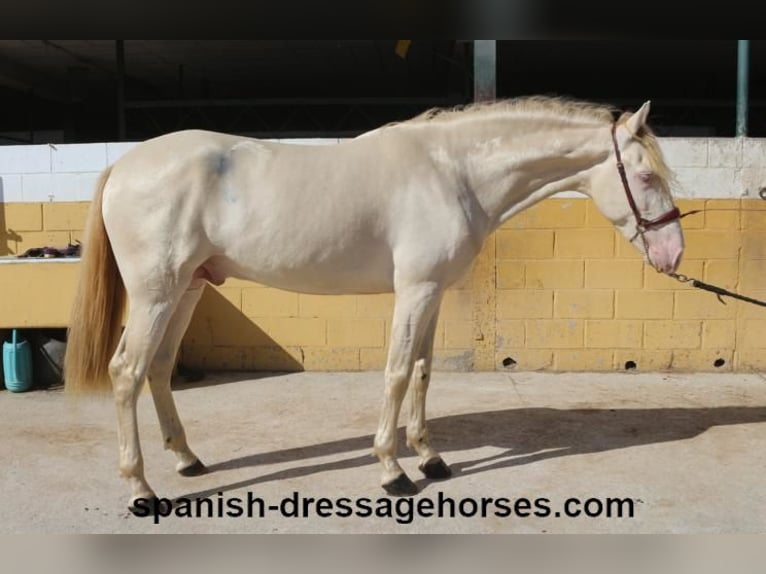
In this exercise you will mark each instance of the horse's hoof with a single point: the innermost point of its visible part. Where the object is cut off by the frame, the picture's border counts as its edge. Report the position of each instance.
(401, 486)
(195, 469)
(435, 469)
(145, 508)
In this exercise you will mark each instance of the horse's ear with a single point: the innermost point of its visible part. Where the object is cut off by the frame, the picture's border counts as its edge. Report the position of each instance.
(638, 120)
(633, 124)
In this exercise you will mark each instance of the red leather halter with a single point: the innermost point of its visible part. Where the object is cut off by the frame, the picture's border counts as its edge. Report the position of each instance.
(642, 224)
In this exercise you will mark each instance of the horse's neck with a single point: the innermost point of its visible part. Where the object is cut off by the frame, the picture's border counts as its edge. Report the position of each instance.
(512, 164)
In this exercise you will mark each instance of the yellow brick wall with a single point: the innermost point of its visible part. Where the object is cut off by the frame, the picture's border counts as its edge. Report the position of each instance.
(580, 298)
(556, 288)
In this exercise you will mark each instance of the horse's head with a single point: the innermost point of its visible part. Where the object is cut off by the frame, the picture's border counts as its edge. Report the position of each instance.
(632, 189)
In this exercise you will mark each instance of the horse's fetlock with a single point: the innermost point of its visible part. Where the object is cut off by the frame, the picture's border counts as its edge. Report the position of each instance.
(414, 442)
(131, 469)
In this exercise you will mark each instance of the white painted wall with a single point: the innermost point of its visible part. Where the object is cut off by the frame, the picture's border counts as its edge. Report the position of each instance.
(717, 167)
(705, 168)
(60, 172)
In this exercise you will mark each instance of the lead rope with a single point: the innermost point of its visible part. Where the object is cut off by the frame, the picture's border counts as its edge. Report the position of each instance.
(719, 292)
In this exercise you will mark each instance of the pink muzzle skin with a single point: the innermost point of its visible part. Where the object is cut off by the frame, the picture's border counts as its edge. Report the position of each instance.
(664, 251)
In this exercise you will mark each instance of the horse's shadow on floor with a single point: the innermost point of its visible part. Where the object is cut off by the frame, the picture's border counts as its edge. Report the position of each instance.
(525, 435)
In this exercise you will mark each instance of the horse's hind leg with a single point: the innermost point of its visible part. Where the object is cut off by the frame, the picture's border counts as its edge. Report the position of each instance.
(160, 373)
(150, 313)
(415, 306)
(431, 463)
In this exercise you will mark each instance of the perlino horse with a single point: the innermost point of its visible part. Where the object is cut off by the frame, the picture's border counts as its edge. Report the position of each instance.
(403, 208)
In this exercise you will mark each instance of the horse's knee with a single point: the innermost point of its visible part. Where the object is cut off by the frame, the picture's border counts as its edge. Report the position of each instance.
(420, 373)
(396, 381)
(419, 366)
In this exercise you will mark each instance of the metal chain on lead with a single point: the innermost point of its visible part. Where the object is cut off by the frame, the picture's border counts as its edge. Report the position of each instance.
(719, 292)
(679, 277)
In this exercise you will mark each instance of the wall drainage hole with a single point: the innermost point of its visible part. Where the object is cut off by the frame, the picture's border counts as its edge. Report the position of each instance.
(719, 362)
(508, 362)
(630, 365)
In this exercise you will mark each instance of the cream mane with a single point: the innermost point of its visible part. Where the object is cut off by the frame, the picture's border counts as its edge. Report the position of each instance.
(540, 106)
(557, 108)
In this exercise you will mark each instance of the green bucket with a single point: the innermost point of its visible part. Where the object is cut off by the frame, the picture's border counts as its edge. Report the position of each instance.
(17, 365)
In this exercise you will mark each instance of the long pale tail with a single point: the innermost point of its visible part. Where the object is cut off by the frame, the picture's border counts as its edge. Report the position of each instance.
(95, 324)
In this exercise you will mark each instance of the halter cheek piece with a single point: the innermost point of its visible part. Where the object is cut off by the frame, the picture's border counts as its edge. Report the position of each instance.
(642, 224)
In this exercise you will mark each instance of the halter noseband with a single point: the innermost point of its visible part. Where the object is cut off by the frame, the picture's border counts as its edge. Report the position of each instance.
(642, 224)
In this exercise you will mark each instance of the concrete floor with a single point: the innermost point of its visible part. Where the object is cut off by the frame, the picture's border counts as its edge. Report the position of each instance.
(689, 451)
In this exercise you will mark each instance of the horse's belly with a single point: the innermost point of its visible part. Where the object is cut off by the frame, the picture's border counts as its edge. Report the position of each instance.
(331, 277)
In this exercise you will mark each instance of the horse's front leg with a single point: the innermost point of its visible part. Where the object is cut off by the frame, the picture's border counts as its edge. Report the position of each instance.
(431, 463)
(414, 308)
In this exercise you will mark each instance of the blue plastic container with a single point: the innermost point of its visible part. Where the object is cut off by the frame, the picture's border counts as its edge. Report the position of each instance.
(17, 365)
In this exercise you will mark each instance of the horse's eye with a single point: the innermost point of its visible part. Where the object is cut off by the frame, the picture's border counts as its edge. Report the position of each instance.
(645, 176)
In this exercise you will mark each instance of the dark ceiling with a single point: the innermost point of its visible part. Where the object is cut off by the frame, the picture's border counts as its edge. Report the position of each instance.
(304, 88)
(229, 68)
(251, 86)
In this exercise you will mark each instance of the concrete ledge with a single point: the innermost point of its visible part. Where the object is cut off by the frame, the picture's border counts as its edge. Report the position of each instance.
(37, 260)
